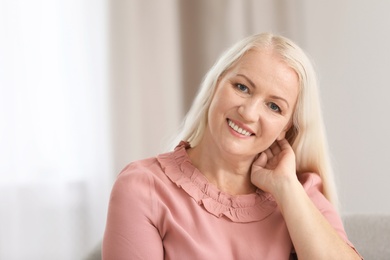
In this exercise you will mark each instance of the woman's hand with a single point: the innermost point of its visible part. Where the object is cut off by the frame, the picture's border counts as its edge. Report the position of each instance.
(274, 167)
(274, 171)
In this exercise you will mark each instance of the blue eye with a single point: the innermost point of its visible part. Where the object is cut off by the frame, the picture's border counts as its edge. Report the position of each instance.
(274, 107)
(242, 88)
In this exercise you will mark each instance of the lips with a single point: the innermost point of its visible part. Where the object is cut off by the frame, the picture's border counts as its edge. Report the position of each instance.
(238, 129)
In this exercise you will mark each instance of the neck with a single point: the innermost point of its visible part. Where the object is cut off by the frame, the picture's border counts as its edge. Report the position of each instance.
(230, 173)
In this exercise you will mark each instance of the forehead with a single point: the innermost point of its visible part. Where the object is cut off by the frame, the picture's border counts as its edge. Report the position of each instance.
(264, 67)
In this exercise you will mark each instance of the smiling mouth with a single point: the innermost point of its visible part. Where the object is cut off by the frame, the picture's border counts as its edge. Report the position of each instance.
(238, 129)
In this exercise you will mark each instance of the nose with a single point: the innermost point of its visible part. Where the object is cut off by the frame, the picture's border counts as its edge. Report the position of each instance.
(250, 110)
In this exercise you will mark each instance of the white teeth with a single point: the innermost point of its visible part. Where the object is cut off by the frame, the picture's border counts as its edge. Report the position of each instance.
(238, 129)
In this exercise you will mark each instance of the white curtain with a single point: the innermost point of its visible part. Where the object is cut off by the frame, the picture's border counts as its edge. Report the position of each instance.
(55, 151)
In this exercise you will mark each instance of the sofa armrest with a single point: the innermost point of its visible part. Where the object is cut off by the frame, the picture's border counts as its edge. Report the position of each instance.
(370, 234)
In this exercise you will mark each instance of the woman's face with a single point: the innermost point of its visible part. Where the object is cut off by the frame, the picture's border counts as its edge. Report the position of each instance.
(253, 104)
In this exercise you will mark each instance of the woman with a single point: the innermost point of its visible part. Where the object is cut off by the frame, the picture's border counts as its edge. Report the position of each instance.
(250, 179)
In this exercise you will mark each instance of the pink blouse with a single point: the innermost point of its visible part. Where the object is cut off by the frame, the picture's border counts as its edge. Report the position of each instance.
(164, 208)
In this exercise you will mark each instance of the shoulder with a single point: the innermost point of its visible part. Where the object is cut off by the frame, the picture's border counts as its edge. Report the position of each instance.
(146, 177)
(134, 189)
(312, 183)
(140, 168)
(138, 174)
(136, 180)
(133, 212)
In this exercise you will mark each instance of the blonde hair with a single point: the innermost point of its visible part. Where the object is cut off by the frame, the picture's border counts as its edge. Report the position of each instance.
(307, 134)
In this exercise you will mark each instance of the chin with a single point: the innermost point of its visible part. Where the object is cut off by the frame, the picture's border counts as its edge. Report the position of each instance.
(238, 150)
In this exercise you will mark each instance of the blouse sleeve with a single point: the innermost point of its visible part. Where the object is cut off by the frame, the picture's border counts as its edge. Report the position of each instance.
(130, 231)
(312, 183)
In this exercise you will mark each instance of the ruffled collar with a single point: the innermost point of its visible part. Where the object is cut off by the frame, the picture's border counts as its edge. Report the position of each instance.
(242, 208)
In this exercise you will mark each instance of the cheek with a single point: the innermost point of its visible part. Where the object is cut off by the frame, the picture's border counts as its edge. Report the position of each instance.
(218, 105)
(214, 112)
(274, 126)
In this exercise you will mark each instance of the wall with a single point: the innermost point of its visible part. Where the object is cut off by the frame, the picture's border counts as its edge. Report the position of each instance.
(349, 41)
(145, 82)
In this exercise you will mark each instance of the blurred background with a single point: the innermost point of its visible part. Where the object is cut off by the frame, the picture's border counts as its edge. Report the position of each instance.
(87, 86)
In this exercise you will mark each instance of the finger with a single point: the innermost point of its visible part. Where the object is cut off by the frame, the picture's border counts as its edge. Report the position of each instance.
(269, 153)
(284, 144)
(275, 148)
(261, 160)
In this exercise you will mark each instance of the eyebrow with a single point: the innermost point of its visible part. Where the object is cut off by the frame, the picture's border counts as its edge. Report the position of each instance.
(254, 86)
